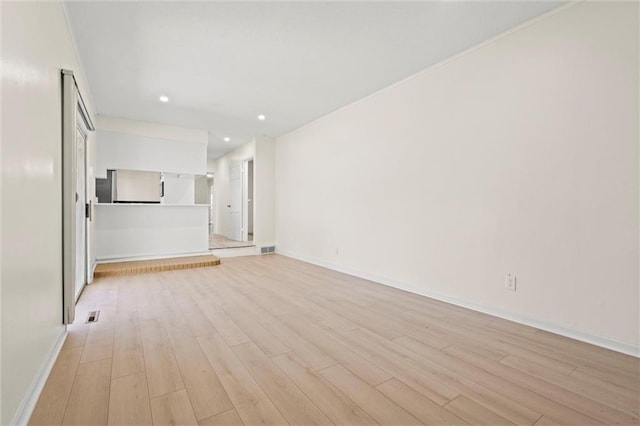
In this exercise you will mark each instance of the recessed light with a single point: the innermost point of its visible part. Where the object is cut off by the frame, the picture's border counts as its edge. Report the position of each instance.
(262, 117)
(164, 99)
(227, 139)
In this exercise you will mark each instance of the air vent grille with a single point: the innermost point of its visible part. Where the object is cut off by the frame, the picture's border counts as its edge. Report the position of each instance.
(93, 316)
(267, 249)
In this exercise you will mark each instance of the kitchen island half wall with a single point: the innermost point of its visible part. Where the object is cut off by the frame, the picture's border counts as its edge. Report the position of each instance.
(129, 231)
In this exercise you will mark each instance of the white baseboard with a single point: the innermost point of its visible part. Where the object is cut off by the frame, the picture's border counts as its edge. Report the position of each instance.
(125, 258)
(30, 399)
(235, 251)
(604, 342)
(93, 272)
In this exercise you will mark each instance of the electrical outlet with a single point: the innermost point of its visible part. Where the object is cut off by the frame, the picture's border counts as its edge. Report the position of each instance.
(510, 282)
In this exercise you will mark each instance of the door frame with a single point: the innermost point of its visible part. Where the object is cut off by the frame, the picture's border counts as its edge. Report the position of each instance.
(81, 126)
(234, 196)
(245, 198)
(73, 110)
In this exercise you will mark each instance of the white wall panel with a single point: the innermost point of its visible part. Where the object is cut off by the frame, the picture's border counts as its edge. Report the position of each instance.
(520, 156)
(134, 230)
(264, 192)
(134, 152)
(36, 44)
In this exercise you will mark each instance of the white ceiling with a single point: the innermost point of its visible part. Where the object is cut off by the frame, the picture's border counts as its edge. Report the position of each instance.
(223, 63)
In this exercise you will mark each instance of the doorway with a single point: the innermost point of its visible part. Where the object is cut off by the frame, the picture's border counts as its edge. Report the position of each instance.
(235, 201)
(247, 200)
(238, 229)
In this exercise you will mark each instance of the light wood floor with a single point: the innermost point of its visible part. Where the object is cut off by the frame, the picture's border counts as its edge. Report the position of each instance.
(220, 241)
(270, 340)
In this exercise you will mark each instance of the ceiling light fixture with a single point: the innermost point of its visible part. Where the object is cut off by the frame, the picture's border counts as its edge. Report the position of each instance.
(262, 117)
(164, 99)
(227, 139)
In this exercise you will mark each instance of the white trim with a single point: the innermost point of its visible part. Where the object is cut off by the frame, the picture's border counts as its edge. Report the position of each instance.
(235, 251)
(69, 187)
(28, 404)
(604, 342)
(93, 270)
(150, 256)
(220, 253)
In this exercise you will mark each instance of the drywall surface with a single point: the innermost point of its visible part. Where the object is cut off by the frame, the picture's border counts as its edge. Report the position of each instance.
(147, 230)
(132, 152)
(141, 145)
(152, 130)
(264, 192)
(36, 44)
(519, 156)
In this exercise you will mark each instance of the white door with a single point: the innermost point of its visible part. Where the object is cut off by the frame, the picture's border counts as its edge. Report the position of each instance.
(81, 220)
(235, 202)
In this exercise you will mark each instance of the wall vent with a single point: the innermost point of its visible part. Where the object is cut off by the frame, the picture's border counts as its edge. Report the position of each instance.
(267, 249)
(93, 316)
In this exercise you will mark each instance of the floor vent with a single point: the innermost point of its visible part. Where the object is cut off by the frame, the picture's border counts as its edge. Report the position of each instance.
(93, 316)
(267, 250)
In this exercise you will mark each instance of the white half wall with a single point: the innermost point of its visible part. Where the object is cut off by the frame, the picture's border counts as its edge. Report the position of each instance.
(36, 44)
(519, 156)
(126, 231)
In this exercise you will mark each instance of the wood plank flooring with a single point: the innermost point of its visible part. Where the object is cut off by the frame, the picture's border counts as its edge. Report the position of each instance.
(220, 241)
(271, 340)
(134, 267)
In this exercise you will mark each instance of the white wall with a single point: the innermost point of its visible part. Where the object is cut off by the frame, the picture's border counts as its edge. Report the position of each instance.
(264, 192)
(137, 145)
(520, 156)
(152, 130)
(35, 45)
(126, 231)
